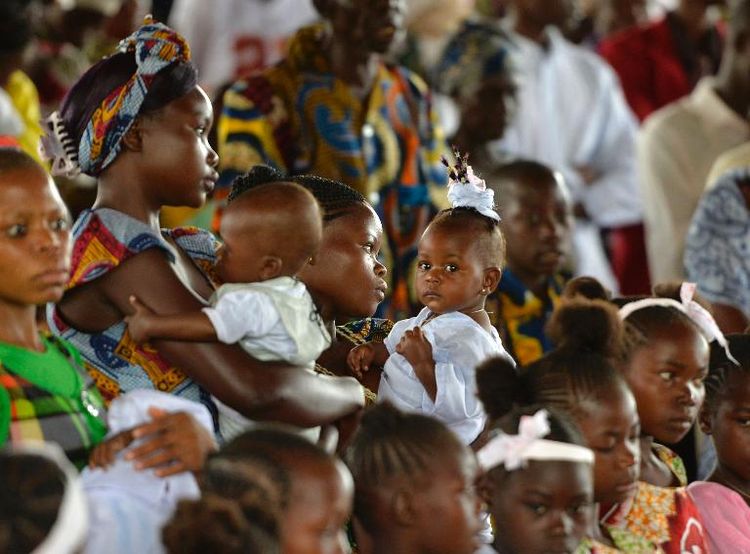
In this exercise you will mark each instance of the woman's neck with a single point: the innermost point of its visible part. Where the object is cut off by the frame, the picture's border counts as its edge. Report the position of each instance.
(122, 198)
(725, 476)
(19, 326)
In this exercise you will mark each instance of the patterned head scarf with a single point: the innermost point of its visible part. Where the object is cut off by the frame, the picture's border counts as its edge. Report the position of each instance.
(156, 47)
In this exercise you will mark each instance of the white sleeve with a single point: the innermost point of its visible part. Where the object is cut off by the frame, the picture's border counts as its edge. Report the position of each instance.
(242, 313)
(613, 199)
(457, 352)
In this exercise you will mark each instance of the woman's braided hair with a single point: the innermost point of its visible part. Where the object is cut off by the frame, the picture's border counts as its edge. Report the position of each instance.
(334, 197)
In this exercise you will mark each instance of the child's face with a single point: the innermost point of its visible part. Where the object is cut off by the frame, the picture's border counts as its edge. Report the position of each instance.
(450, 272)
(666, 377)
(449, 507)
(319, 507)
(545, 507)
(35, 244)
(612, 429)
(536, 224)
(176, 155)
(729, 426)
(346, 279)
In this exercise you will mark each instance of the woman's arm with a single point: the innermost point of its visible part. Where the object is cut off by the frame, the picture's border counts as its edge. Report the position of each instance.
(144, 325)
(258, 390)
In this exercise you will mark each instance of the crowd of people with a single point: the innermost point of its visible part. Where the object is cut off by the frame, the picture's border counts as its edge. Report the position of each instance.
(375, 276)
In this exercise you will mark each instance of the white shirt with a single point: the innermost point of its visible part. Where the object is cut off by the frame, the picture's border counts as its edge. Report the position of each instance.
(677, 147)
(231, 38)
(571, 113)
(459, 344)
(271, 320)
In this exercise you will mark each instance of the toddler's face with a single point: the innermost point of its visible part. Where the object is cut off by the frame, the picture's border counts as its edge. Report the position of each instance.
(35, 245)
(450, 272)
(545, 507)
(666, 377)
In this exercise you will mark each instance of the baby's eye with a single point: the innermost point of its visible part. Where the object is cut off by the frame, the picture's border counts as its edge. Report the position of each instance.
(666, 376)
(744, 422)
(605, 449)
(538, 509)
(367, 247)
(423, 266)
(200, 131)
(451, 268)
(59, 224)
(16, 231)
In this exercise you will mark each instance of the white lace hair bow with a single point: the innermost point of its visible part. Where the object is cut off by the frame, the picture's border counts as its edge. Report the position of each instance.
(697, 313)
(467, 190)
(513, 451)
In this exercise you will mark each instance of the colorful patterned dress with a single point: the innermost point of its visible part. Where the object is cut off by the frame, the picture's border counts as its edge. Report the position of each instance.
(298, 117)
(520, 316)
(104, 239)
(666, 517)
(48, 396)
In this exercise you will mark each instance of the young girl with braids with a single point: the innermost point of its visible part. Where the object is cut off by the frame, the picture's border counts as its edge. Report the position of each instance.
(580, 378)
(138, 123)
(538, 483)
(429, 359)
(724, 499)
(665, 360)
(414, 485)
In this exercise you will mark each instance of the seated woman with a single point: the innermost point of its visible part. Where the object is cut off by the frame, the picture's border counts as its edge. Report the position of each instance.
(138, 122)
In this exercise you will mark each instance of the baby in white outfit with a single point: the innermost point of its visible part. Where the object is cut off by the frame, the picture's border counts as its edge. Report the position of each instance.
(270, 232)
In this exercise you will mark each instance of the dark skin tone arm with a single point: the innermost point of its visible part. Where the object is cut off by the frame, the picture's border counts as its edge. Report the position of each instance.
(144, 325)
(258, 390)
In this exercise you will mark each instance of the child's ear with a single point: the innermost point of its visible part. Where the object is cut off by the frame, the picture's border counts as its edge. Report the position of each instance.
(491, 280)
(133, 138)
(704, 420)
(403, 507)
(271, 267)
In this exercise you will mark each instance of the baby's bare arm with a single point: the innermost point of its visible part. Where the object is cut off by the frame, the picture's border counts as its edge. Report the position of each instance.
(144, 325)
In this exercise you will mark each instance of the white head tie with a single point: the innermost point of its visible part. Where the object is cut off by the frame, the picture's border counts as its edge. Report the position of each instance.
(697, 313)
(513, 451)
(466, 190)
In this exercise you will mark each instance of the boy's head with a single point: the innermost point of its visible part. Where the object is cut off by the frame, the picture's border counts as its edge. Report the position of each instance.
(269, 231)
(536, 217)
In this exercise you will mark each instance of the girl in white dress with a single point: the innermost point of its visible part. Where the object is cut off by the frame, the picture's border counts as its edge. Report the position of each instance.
(428, 360)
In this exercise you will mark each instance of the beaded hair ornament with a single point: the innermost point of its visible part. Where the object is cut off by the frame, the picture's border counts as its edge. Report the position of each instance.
(514, 451)
(697, 313)
(467, 190)
(155, 47)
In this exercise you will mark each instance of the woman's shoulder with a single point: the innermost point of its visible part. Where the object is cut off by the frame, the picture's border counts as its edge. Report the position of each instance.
(105, 238)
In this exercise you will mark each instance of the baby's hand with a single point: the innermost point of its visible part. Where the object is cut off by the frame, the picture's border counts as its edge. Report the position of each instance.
(360, 358)
(105, 452)
(139, 322)
(415, 347)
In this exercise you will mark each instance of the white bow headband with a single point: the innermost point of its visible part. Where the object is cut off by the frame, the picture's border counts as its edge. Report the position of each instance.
(697, 313)
(513, 451)
(467, 190)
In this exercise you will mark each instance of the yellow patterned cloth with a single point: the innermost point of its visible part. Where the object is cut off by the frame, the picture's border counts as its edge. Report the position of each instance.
(298, 117)
(520, 317)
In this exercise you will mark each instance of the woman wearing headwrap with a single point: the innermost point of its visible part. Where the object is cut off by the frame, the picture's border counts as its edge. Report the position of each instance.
(138, 123)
